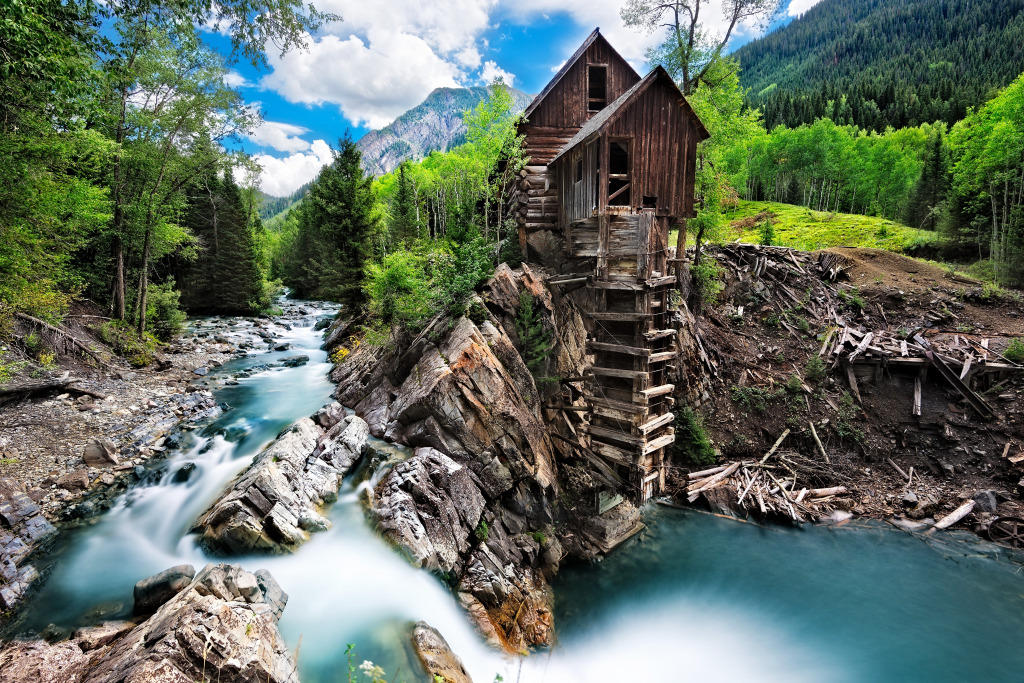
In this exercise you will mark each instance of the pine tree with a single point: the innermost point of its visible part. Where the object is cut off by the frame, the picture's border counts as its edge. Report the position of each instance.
(335, 223)
(930, 189)
(403, 209)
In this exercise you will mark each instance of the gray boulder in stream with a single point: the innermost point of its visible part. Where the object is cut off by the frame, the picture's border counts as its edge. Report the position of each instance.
(274, 504)
(221, 627)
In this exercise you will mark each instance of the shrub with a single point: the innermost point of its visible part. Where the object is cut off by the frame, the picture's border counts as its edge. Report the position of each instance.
(477, 312)
(766, 231)
(534, 338)
(815, 370)
(754, 398)
(126, 342)
(707, 282)
(692, 441)
(163, 310)
(482, 531)
(794, 385)
(1015, 351)
(397, 289)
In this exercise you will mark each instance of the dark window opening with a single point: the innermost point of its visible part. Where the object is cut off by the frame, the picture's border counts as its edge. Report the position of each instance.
(579, 170)
(618, 173)
(597, 88)
(650, 202)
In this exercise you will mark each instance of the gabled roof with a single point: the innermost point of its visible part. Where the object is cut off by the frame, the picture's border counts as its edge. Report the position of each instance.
(601, 120)
(580, 51)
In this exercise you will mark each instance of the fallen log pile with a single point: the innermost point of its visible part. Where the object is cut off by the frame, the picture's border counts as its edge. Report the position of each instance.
(781, 484)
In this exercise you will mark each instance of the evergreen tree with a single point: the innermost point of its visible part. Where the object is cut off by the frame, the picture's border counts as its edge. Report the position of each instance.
(226, 277)
(930, 189)
(335, 223)
(404, 229)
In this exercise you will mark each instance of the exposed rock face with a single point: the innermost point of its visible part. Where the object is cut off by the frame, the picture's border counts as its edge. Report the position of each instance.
(436, 655)
(221, 627)
(23, 528)
(474, 499)
(277, 501)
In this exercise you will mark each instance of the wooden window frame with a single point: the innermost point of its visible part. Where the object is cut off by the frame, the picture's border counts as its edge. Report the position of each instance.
(589, 111)
(628, 139)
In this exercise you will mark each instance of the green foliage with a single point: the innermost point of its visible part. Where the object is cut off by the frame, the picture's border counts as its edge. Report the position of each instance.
(815, 371)
(692, 443)
(766, 231)
(125, 341)
(844, 420)
(707, 281)
(165, 314)
(793, 385)
(796, 227)
(477, 312)
(326, 255)
(539, 537)
(398, 290)
(884, 63)
(755, 398)
(852, 298)
(534, 336)
(482, 531)
(1015, 351)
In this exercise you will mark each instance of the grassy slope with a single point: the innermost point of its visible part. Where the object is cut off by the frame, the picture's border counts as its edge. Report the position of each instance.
(799, 227)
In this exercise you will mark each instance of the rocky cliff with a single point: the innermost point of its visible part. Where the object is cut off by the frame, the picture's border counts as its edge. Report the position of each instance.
(476, 502)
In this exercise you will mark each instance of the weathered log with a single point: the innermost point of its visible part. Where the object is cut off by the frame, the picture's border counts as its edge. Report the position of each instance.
(831, 491)
(954, 517)
(775, 447)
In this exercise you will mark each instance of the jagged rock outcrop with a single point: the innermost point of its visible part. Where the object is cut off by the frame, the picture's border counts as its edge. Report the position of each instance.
(475, 500)
(222, 627)
(277, 501)
(436, 655)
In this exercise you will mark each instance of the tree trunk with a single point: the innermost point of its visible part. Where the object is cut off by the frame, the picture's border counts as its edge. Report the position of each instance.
(143, 284)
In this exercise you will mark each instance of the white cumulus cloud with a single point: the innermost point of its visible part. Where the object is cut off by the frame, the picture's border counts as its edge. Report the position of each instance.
(284, 137)
(492, 71)
(798, 7)
(372, 82)
(283, 175)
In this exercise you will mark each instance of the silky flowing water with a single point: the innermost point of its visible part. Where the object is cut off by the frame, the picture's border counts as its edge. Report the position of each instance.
(694, 597)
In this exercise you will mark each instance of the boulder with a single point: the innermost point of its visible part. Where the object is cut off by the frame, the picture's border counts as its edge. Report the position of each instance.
(154, 591)
(985, 501)
(294, 361)
(275, 502)
(74, 481)
(330, 415)
(217, 629)
(436, 655)
(430, 505)
(100, 453)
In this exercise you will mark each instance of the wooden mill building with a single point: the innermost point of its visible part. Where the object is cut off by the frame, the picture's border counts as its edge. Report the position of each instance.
(612, 163)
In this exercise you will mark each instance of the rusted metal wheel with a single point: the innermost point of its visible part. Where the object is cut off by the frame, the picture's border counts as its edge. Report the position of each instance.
(1008, 531)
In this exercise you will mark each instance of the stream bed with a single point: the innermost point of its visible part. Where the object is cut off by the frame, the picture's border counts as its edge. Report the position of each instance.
(694, 597)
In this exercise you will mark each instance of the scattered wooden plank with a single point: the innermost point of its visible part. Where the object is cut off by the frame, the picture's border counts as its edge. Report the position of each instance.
(917, 395)
(897, 468)
(775, 447)
(821, 448)
(954, 517)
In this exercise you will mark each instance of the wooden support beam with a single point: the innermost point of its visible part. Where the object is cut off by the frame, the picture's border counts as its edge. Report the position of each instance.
(655, 391)
(613, 434)
(617, 455)
(619, 317)
(655, 423)
(662, 356)
(655, 335)
(618, 348)
(618, 372)
(638, 408)
(660, 442)
(976, 401)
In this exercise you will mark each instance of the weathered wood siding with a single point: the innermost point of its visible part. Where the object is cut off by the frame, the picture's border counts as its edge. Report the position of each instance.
(662, 136)
(565, 106)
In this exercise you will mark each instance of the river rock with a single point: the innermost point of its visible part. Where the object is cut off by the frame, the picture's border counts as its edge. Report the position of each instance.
(217, 629)
(100, 453)
(294, 361)
(74, 481)
(275, 502)
(154, 591)
(330, 415)
(430, 505)
(436, 655)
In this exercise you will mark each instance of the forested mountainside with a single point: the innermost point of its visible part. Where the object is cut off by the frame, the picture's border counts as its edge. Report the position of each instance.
(271, 206)
(433, 125)
(878, 63)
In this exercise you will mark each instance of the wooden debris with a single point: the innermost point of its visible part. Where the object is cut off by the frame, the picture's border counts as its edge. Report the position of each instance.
(954, 517)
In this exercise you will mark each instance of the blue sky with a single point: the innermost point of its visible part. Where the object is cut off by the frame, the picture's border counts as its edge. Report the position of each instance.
(386, 57)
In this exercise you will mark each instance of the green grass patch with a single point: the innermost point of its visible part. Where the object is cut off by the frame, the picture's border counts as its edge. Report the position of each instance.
(801, 228)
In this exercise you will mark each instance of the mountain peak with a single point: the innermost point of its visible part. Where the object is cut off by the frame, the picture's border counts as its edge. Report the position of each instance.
(435, 124)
